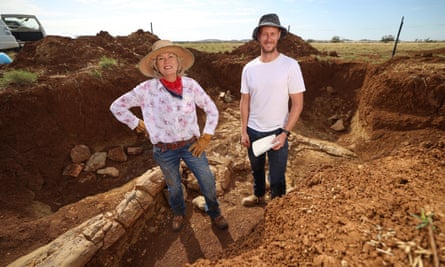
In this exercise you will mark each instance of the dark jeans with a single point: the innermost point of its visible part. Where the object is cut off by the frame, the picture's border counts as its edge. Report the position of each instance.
(169, 162)
(277, 160)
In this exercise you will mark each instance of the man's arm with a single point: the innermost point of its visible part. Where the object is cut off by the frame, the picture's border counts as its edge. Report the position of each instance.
(295, 111)
(244, 110)
(294, 115)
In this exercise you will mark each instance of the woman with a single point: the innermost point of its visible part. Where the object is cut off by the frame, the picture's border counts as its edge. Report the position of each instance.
(168, 104)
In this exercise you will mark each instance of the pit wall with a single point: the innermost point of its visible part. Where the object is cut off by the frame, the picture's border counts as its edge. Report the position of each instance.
(403, 95)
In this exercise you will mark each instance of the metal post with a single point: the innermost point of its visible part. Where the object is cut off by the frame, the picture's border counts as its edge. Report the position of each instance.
(397, 38)
(151, 28)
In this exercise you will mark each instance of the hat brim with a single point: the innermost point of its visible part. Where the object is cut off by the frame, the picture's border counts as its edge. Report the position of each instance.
(146, 63)
(282, 29)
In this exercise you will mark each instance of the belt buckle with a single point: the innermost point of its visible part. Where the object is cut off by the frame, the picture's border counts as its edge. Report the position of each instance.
(175, 145)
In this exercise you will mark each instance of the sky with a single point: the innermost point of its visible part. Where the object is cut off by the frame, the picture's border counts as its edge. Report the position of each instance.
(196, 20)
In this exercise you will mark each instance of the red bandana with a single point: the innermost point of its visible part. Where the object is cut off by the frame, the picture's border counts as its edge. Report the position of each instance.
(174, 87)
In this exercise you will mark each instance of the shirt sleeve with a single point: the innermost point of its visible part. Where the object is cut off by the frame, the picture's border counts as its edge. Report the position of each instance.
(296, 81)
(121, 108)
(244, 87)
(203, 101)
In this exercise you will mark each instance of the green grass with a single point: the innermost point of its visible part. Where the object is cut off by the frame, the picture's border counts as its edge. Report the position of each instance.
(107, 63)
(18, 77)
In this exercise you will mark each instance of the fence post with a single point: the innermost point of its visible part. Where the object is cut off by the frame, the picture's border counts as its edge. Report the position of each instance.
(397, 38)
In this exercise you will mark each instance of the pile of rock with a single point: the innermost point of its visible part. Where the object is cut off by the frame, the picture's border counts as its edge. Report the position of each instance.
(83, 160)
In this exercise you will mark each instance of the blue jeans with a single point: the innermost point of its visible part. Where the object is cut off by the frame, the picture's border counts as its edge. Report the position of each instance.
(169, 161)
(277, 160)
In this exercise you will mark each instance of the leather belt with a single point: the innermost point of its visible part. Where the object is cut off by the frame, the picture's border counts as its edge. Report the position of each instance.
(175, 145)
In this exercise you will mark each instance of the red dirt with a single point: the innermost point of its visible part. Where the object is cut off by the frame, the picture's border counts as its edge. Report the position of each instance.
(342, 212)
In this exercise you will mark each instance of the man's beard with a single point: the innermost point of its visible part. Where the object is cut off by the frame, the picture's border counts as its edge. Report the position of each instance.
(268, 51)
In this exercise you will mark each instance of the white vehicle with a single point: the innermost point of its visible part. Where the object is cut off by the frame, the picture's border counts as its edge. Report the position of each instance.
(7, 39)
(25, 28)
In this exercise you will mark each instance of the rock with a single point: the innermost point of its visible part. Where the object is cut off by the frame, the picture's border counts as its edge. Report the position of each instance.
(228, 97)
(199, 202)
(192, 183)
(117, 154)
(222, 175)
(151, 182)
(110, 171)
(333, 118)
(130, 208)
(135, 150)
(325, 146)
(73, 169)
(38, 209)
(80, 153)
(330, 90)
(96, 161)
(338, 126)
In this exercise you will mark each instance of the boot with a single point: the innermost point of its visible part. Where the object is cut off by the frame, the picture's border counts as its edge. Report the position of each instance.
(220, 222)
(252, 200)
(177, 223)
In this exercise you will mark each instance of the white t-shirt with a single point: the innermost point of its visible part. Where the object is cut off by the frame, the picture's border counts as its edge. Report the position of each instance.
(269, 85)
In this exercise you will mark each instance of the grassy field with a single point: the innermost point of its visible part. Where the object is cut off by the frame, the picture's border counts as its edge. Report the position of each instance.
(376, 52)
(212, 47)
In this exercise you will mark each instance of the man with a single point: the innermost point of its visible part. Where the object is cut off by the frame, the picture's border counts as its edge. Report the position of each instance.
(267, 83)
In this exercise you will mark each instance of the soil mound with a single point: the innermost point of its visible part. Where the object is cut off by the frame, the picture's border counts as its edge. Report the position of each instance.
(59, 55)
(291, 45)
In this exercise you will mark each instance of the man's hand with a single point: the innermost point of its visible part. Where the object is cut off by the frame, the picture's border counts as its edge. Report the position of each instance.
(200, 145)
(279, 141)
(141, 128)
(245, 140)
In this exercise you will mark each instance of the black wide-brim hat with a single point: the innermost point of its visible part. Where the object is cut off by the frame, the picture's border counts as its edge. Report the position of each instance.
(269, 20)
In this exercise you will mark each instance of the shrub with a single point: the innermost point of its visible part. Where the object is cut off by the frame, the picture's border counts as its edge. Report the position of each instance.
(335, 39)
(107, 63)
(387, 38)
(96, 73)
(18, 77)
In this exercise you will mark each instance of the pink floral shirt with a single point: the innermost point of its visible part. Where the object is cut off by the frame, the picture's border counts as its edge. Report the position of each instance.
(168, 119)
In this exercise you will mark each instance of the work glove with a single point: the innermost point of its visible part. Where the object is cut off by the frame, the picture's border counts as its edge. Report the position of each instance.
(200, 145)
(141, 128)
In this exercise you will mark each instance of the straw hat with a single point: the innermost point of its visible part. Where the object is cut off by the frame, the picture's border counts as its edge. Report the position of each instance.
(269, 20)
(164, 46)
